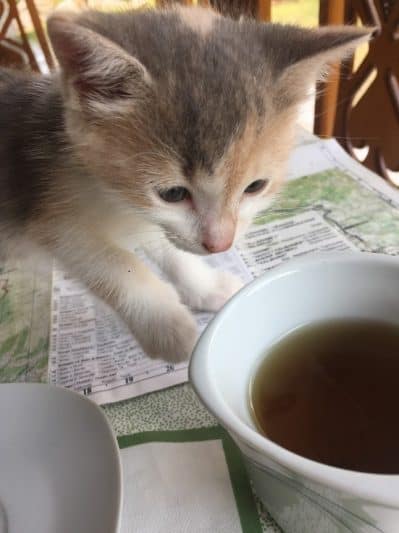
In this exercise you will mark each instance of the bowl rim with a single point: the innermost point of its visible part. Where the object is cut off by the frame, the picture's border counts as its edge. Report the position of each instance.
(377, 488)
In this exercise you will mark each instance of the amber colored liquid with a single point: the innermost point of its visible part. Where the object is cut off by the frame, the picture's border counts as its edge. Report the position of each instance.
(330, 392)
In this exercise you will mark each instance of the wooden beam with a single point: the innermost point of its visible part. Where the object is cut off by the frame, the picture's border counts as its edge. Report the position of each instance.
(330, 12)
(265, 10)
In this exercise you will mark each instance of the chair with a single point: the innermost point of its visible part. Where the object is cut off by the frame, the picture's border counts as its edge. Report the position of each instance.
(16, 50)
(361, 107)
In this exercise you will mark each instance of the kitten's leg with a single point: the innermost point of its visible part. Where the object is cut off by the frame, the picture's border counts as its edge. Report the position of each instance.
(199, 285)
(150, 307)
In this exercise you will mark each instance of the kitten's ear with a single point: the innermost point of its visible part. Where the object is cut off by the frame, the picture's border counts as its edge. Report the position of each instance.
(305, 56)
(99, 71)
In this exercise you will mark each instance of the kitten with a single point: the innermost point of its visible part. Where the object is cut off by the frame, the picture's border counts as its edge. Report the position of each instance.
(165, 131)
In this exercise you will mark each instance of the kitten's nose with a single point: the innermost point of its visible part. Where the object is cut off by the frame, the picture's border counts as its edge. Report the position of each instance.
(215, 246)
(218, 233)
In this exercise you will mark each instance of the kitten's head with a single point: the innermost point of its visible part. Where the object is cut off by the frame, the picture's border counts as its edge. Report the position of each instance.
(186, 115)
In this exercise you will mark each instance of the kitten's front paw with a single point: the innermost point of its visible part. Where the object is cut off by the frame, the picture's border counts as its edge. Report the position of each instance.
(171, 335)
(225, 285)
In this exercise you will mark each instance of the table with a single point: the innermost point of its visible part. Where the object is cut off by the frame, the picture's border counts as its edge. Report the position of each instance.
(182, 471)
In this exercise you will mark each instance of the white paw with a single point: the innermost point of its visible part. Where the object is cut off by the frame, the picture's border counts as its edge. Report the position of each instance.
(171, 334)
(226, 286)
(213, 296)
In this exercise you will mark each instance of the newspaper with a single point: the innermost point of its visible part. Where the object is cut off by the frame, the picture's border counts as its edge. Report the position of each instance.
(92, 351)
(330, 203)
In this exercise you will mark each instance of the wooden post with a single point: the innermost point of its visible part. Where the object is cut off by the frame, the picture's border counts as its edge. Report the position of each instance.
(331, 12)
(265, 10)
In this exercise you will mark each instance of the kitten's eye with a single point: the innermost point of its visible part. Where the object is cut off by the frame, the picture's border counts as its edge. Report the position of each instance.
(256, 186)
(174, 194)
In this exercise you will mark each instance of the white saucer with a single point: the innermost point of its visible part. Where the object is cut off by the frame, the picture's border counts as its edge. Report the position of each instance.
(59, 463)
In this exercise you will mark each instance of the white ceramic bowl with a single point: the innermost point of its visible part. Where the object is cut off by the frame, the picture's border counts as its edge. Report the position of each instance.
(303, 496)
(60, 469)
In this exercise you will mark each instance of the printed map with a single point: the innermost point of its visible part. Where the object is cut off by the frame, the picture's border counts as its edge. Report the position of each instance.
(369, 219)
(24, 322)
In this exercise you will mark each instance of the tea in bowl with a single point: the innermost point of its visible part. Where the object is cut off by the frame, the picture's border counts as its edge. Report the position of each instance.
(302, 369)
